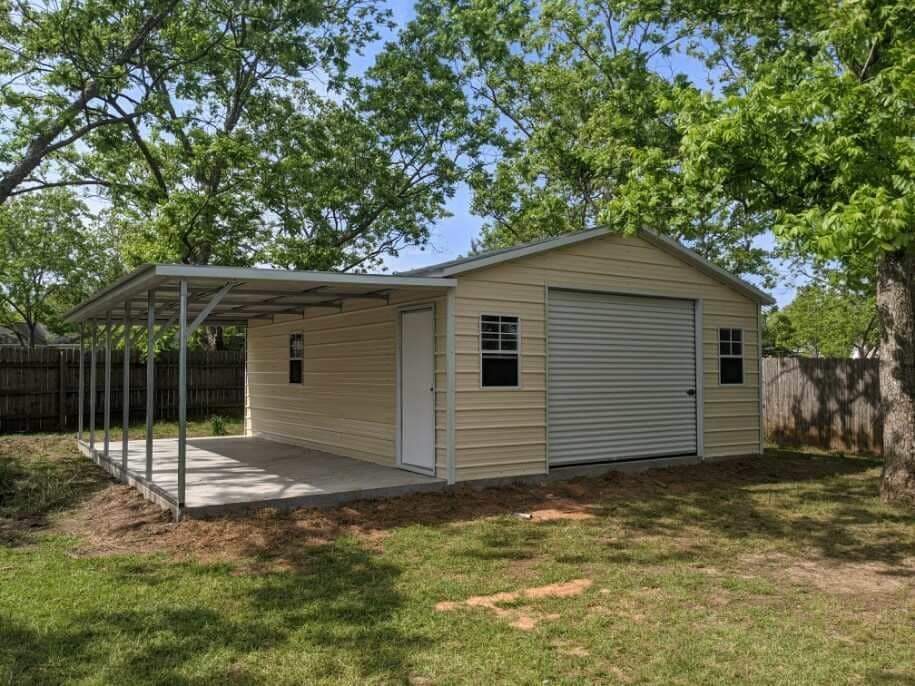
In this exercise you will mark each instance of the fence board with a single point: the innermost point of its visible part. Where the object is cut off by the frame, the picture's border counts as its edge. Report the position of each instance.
(833, 404)
(39, 388)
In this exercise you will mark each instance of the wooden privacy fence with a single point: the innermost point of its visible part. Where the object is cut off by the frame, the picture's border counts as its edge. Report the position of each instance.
(833, 404)
(39, 388)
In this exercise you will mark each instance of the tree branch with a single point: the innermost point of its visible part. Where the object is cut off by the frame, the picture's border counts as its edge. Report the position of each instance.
(48, 131)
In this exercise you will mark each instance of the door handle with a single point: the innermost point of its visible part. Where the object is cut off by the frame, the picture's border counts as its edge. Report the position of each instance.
(691, 392)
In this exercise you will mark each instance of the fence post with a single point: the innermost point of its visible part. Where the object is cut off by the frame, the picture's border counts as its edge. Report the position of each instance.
(61, 392)
(82, 389)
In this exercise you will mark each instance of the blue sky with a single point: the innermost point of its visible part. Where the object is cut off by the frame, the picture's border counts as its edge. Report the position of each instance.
(452, 237)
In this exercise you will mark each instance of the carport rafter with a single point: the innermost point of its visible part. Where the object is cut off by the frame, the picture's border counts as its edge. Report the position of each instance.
(208, 308)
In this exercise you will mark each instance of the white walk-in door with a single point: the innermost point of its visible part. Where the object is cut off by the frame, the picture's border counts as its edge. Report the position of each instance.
(417, 389)
(622, 377)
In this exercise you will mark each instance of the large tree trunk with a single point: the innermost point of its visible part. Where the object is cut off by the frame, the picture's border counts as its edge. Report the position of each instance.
(896, 307)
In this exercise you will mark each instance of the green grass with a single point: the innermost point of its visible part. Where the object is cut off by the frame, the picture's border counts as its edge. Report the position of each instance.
(42, 473)
(788, 570)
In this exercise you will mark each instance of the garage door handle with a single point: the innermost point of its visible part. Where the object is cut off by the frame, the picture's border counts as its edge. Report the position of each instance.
(691, 392)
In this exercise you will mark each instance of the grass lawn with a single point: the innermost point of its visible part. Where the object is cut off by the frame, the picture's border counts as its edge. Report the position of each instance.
(784, 569)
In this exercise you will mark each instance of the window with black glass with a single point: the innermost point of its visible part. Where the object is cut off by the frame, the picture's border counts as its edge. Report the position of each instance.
(730, 356)
(296, 353)
(499, 354)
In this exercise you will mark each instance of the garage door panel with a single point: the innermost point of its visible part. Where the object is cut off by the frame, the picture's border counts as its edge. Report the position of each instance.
(620, 368)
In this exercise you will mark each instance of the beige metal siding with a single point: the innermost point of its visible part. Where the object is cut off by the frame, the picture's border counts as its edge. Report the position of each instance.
(502, 433)
(347, 403)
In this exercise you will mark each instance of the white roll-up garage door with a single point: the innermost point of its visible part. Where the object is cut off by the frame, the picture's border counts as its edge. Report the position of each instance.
(622, 377)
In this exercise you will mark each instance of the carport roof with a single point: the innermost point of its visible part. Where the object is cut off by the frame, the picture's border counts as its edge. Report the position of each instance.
(247, 293)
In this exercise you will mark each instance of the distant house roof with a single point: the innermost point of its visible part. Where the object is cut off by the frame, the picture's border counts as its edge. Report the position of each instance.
(492, 257)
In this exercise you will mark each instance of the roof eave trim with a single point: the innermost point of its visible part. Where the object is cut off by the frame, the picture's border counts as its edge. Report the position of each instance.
(173, 271)
(139, 279)
(152, 275)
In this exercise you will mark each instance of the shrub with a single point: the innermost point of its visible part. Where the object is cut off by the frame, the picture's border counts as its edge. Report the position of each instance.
(218, 424)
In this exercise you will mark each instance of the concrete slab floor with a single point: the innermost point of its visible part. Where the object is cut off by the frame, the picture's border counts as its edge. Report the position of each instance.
(242, 471)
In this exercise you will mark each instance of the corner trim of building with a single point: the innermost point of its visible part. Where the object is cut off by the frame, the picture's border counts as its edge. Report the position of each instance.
(451, 376)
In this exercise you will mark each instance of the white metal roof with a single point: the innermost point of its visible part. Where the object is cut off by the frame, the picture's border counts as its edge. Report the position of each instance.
(254, 294)
(491, 257)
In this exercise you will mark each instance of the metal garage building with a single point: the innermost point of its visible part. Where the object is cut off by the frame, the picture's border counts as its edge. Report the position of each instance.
(587, 348)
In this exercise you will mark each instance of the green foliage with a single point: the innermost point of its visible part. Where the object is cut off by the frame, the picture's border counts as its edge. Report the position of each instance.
(824, 321)
(816, 124)
(577, 109)
(51, 256)
(218, 425)
(232, 132)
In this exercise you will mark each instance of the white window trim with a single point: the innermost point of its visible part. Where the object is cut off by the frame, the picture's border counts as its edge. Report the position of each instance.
(290, 358)
(480, 344)
(743, 371)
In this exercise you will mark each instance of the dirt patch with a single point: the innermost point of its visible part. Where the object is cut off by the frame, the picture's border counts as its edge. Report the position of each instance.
(847, 578)
(522, 617)
(17, 532)
(117, 519)
(567, 509)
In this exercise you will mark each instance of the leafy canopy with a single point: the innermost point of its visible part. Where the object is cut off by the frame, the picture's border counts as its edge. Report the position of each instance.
(816, 124)
(575, 104)
(226, 131)
(824, 321)
(50, 259)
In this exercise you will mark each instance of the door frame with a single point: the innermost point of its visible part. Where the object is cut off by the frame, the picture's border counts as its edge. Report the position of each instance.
(699, 354)
(398, 393)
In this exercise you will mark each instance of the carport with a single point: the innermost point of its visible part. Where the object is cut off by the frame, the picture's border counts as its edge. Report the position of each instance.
(241, 471)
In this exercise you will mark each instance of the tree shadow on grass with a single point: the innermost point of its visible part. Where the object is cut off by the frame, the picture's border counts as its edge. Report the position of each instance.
(505, 541)
(338, 598)
(815, 503)
(37, 481)
(825, 505)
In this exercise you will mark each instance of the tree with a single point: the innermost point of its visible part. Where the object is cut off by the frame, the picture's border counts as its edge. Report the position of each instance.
(50, 258)
(825, 321)
(777, 334)
(62, 66)
(575, 107)
(174, 138)
(355, 181)
(234, 132)
(816, 124)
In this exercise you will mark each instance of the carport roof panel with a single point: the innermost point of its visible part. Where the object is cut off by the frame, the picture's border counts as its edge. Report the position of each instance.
(255, 293)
